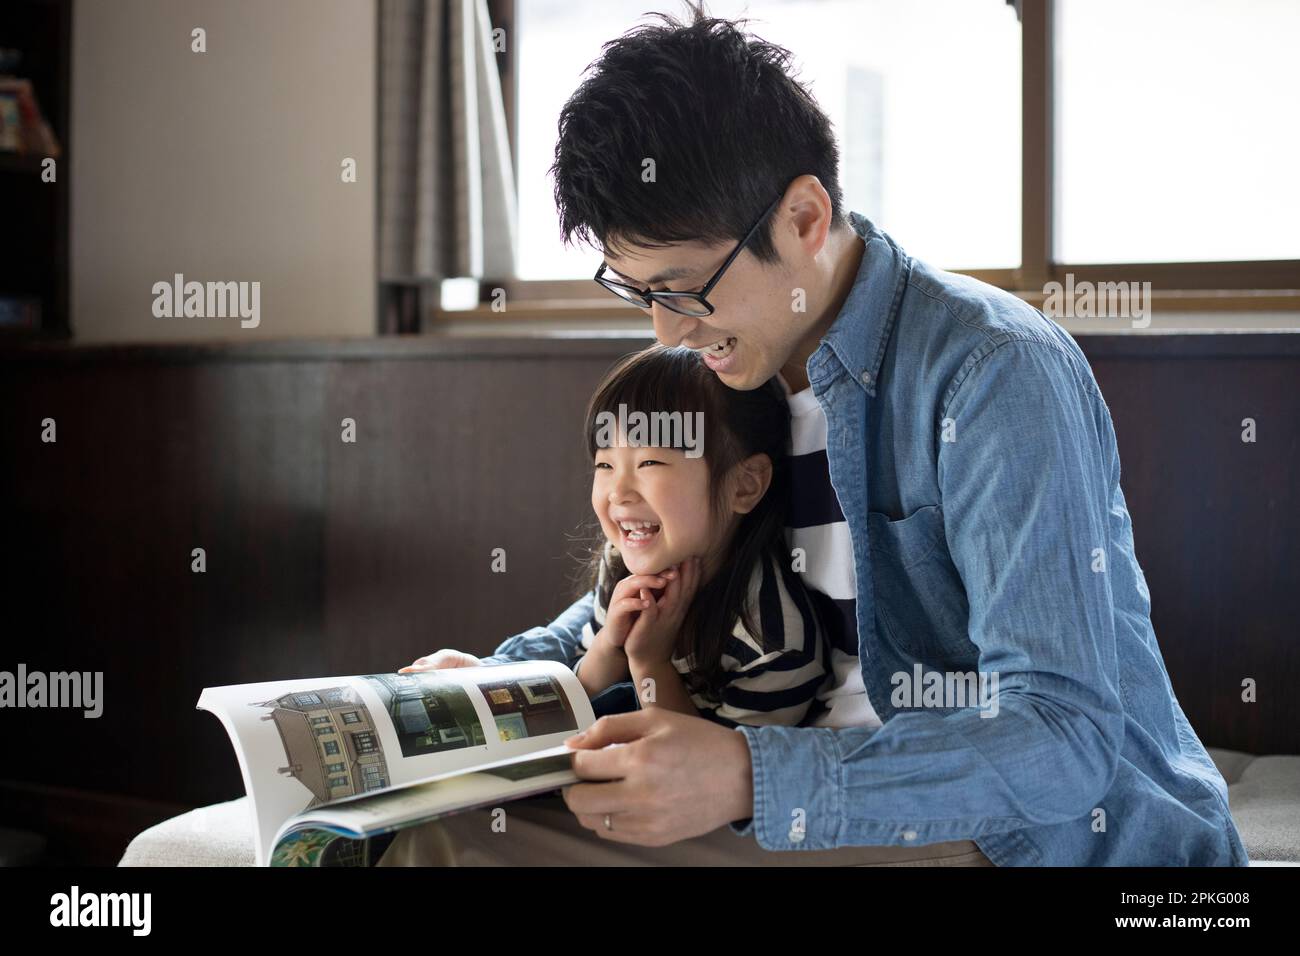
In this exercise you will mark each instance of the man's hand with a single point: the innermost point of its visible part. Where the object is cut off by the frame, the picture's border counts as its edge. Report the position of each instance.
(674, 777)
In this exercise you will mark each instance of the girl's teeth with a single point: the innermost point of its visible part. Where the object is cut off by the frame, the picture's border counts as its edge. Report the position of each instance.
(639, 530)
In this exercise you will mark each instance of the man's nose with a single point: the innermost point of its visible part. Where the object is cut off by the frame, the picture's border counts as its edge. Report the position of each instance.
(671, 328)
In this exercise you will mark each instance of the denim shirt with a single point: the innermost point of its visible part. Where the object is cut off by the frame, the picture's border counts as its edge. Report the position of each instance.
(976, 465)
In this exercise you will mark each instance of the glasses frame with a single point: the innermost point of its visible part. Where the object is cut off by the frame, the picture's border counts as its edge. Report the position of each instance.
(648, 297)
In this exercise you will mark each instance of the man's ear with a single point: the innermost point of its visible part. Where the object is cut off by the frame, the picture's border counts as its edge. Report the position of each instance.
(750, 480)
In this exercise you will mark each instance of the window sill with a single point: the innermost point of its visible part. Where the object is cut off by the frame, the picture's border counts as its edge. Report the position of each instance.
(1174, 311)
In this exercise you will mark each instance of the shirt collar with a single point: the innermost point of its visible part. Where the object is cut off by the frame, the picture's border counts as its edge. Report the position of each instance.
(860, 333)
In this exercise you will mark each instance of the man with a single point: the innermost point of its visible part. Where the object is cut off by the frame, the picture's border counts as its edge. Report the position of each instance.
(957, 504)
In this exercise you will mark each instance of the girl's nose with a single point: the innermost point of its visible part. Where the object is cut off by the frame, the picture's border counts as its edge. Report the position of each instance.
(623, 488)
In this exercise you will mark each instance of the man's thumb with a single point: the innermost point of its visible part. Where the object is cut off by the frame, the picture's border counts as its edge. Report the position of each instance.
(612, 729)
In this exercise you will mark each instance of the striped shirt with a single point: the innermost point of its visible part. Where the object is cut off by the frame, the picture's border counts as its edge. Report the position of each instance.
(763, 687)
(816, 524)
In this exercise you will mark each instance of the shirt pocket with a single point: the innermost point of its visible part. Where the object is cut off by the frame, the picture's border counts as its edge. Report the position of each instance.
(919, 595)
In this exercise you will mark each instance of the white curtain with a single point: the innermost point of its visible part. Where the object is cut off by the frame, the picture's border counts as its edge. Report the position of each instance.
(447, 192)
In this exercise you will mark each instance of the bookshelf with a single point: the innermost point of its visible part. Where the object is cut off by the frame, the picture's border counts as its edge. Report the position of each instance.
(35, 44)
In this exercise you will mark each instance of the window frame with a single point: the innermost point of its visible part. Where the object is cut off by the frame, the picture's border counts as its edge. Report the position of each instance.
(1223, 286)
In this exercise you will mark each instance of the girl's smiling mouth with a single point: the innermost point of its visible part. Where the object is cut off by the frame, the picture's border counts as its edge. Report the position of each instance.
(637, 534)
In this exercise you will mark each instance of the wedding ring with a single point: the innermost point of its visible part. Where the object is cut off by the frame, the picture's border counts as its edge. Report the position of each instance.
(608, 825)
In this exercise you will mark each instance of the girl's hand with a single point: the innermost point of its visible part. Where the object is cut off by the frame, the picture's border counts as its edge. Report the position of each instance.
(440, 659)
(627, 602)
(653, 637)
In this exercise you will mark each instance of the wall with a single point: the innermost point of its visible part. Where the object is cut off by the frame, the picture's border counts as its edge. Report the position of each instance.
(331, 558)
(224, 165)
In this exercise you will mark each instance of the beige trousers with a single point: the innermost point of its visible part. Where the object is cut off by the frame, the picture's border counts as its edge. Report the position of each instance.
(543, 832)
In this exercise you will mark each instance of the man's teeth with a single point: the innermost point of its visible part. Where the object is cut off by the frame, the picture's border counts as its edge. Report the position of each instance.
(720, 349)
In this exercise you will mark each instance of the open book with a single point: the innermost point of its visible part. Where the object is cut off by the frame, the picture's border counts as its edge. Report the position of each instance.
(332, 764)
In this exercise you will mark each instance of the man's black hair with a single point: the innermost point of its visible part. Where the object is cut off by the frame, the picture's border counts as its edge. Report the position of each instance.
(726, 123)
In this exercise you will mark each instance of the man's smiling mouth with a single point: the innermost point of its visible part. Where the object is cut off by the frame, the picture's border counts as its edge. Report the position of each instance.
(720, 356)
(719, 349)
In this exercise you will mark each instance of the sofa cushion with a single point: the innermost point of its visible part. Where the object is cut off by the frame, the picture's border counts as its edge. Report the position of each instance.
(217, 835)
(1264, 797)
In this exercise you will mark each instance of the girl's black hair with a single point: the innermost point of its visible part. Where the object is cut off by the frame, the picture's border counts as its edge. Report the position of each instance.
(737, 424)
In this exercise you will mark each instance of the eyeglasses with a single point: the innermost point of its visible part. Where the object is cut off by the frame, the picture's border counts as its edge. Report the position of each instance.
(683, 303)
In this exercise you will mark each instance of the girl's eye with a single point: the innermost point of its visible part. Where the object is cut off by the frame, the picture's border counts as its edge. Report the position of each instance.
(650, 461)
(603, 464)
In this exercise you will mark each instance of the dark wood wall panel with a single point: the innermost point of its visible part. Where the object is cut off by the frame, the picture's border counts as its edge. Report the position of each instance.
(452, 461)
(1216, 524)
(331, 558)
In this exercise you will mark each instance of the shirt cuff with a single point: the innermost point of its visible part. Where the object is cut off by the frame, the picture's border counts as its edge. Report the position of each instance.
(798, 802)
(744, 827)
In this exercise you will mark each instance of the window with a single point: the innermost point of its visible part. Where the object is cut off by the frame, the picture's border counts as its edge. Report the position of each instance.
(1095, 139)
(1176, 138)
(928, 120)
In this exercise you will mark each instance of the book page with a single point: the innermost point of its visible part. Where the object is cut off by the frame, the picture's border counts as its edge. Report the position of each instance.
(546, 770)
(305, 743)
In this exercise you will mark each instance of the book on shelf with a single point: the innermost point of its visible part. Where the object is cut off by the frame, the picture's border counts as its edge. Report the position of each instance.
(23, 128)
(334, 767)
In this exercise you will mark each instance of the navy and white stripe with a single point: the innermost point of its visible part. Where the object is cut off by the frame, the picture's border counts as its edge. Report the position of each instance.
(816, 524)
(764, 687)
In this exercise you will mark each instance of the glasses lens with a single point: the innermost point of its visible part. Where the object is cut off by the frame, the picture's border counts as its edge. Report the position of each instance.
(631, 295)
(683, 304)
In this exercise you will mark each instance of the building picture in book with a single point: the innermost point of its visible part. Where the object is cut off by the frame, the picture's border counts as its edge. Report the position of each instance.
(430, 714)
(330, 743)
(529, 707)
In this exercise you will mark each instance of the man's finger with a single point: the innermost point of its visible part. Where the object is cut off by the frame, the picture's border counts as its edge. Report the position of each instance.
(600, 797)
(613, 729)
(633, 829)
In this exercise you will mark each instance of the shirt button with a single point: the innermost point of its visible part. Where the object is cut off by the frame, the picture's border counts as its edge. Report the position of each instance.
(866, 378)
(796, 836)
(909, 834)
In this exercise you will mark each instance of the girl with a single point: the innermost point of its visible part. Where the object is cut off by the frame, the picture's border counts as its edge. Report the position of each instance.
(693, 600)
